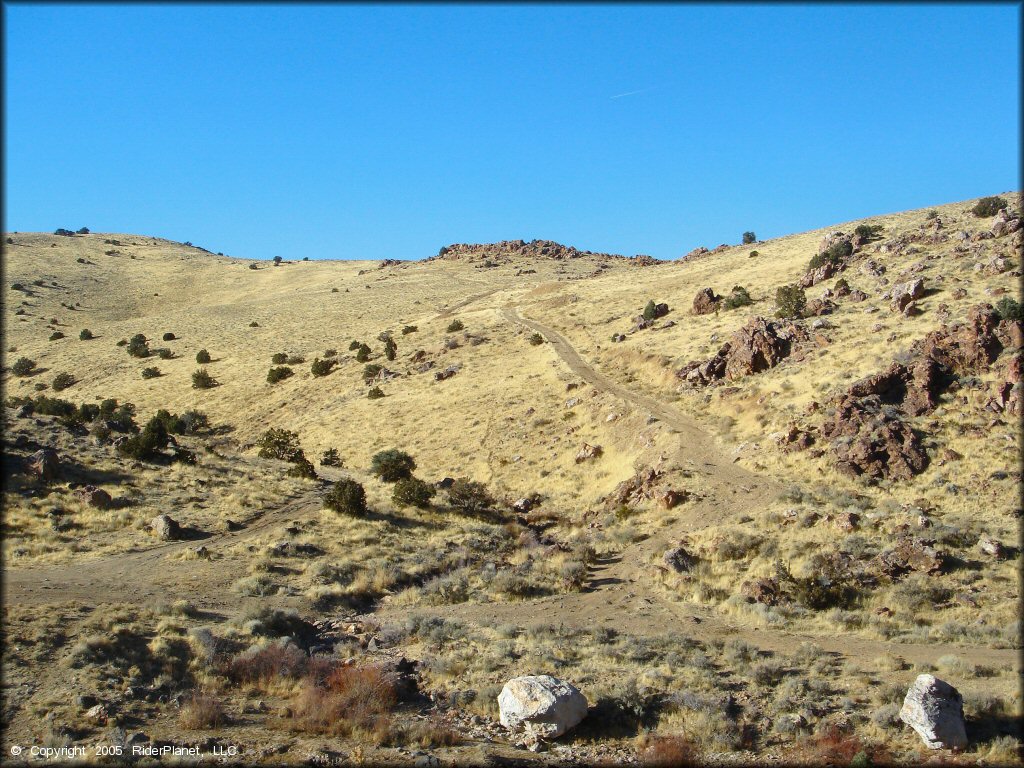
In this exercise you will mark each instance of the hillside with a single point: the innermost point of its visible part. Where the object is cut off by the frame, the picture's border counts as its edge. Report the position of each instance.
(752, 530)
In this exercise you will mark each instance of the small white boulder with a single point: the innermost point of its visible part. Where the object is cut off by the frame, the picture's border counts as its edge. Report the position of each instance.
(935, 709)
(542, 706)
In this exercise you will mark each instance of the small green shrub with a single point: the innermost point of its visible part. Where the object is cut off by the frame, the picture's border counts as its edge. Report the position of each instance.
(413, 492)
(1009, 309)
(390, 349)
(842, 285)
(23, 367)
(988, 206)
(302, 467)
(202, 379)
(455, 326)
(279, 358)
(169, 337)
(56, 335)
(354, 346)
(277, 443)
(62, 381)
(536, 339)
(650, 310)
(749, 238)
(147, 444)
(280, 373)
(739, 297)
(376, 393)
(363, 354)
(469, 496)
(322, 367)
(754, 254)
(85, 335)
(295, 360)
(790, 301)
(370, 371)
(868, 231)
(122, 343)
(346, 497)
(330, 353)
(150, 373)
(253, 324)
(409, 329)
(165, 354)
(203, 357)
(932, 214)
(138, 346)
(392, 465)
(331, 458)
(834, 254)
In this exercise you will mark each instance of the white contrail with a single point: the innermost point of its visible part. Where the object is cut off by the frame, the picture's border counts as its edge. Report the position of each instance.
(630, 93)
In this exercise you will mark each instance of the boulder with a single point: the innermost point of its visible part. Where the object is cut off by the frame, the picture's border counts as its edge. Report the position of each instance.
(542, 706)
(759, 345)
(587, 452)
(935, 709)
(705, 302)
(869, 441)
(903, 294)
(818, 307)
(44, 464)
(669, 498)
(765, 591)
(990, 546)
(827, 270)
(678, 559)
(166, 527)
(94, 497)
(909, 553)
(698, 251)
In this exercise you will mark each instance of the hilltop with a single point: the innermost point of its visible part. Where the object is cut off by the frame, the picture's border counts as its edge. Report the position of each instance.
(753, 529)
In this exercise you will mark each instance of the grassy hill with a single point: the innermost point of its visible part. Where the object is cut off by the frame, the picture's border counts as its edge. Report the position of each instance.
(522, 367)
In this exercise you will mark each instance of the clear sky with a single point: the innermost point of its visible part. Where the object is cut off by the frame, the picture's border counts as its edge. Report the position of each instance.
(386, 131)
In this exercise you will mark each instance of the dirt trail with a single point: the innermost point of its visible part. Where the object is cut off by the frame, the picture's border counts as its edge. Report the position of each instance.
(152, 574)
(624, 593)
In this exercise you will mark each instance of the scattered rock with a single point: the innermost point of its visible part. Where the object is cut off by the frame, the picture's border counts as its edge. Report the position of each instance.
(765, 591)
(669, 498)
(447, 373)
(935, 709)
(44, 464)
(991, 547)
(826, 271)
(542, 706)
(903, 294)
(166, 528)
(909, 553)
(705, 302)
(587, 452)
(678, 559)
(98, 714)
(94, 497)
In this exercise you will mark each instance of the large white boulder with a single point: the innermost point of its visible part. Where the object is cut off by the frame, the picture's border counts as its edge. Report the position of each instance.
(935, 709)
(541, 705)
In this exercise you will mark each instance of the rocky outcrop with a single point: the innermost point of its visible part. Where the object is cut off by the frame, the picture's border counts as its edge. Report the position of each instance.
(646, 485)
(827, 270)
(757, 346)
(705, 302)
(700, 250)
(541, 706)
(868, 440)
(935, 709)
(909, 553)
(1007, 222)
(868, 430)
(506, 249)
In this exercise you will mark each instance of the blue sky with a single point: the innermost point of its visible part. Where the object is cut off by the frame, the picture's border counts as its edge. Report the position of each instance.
(344, 131)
